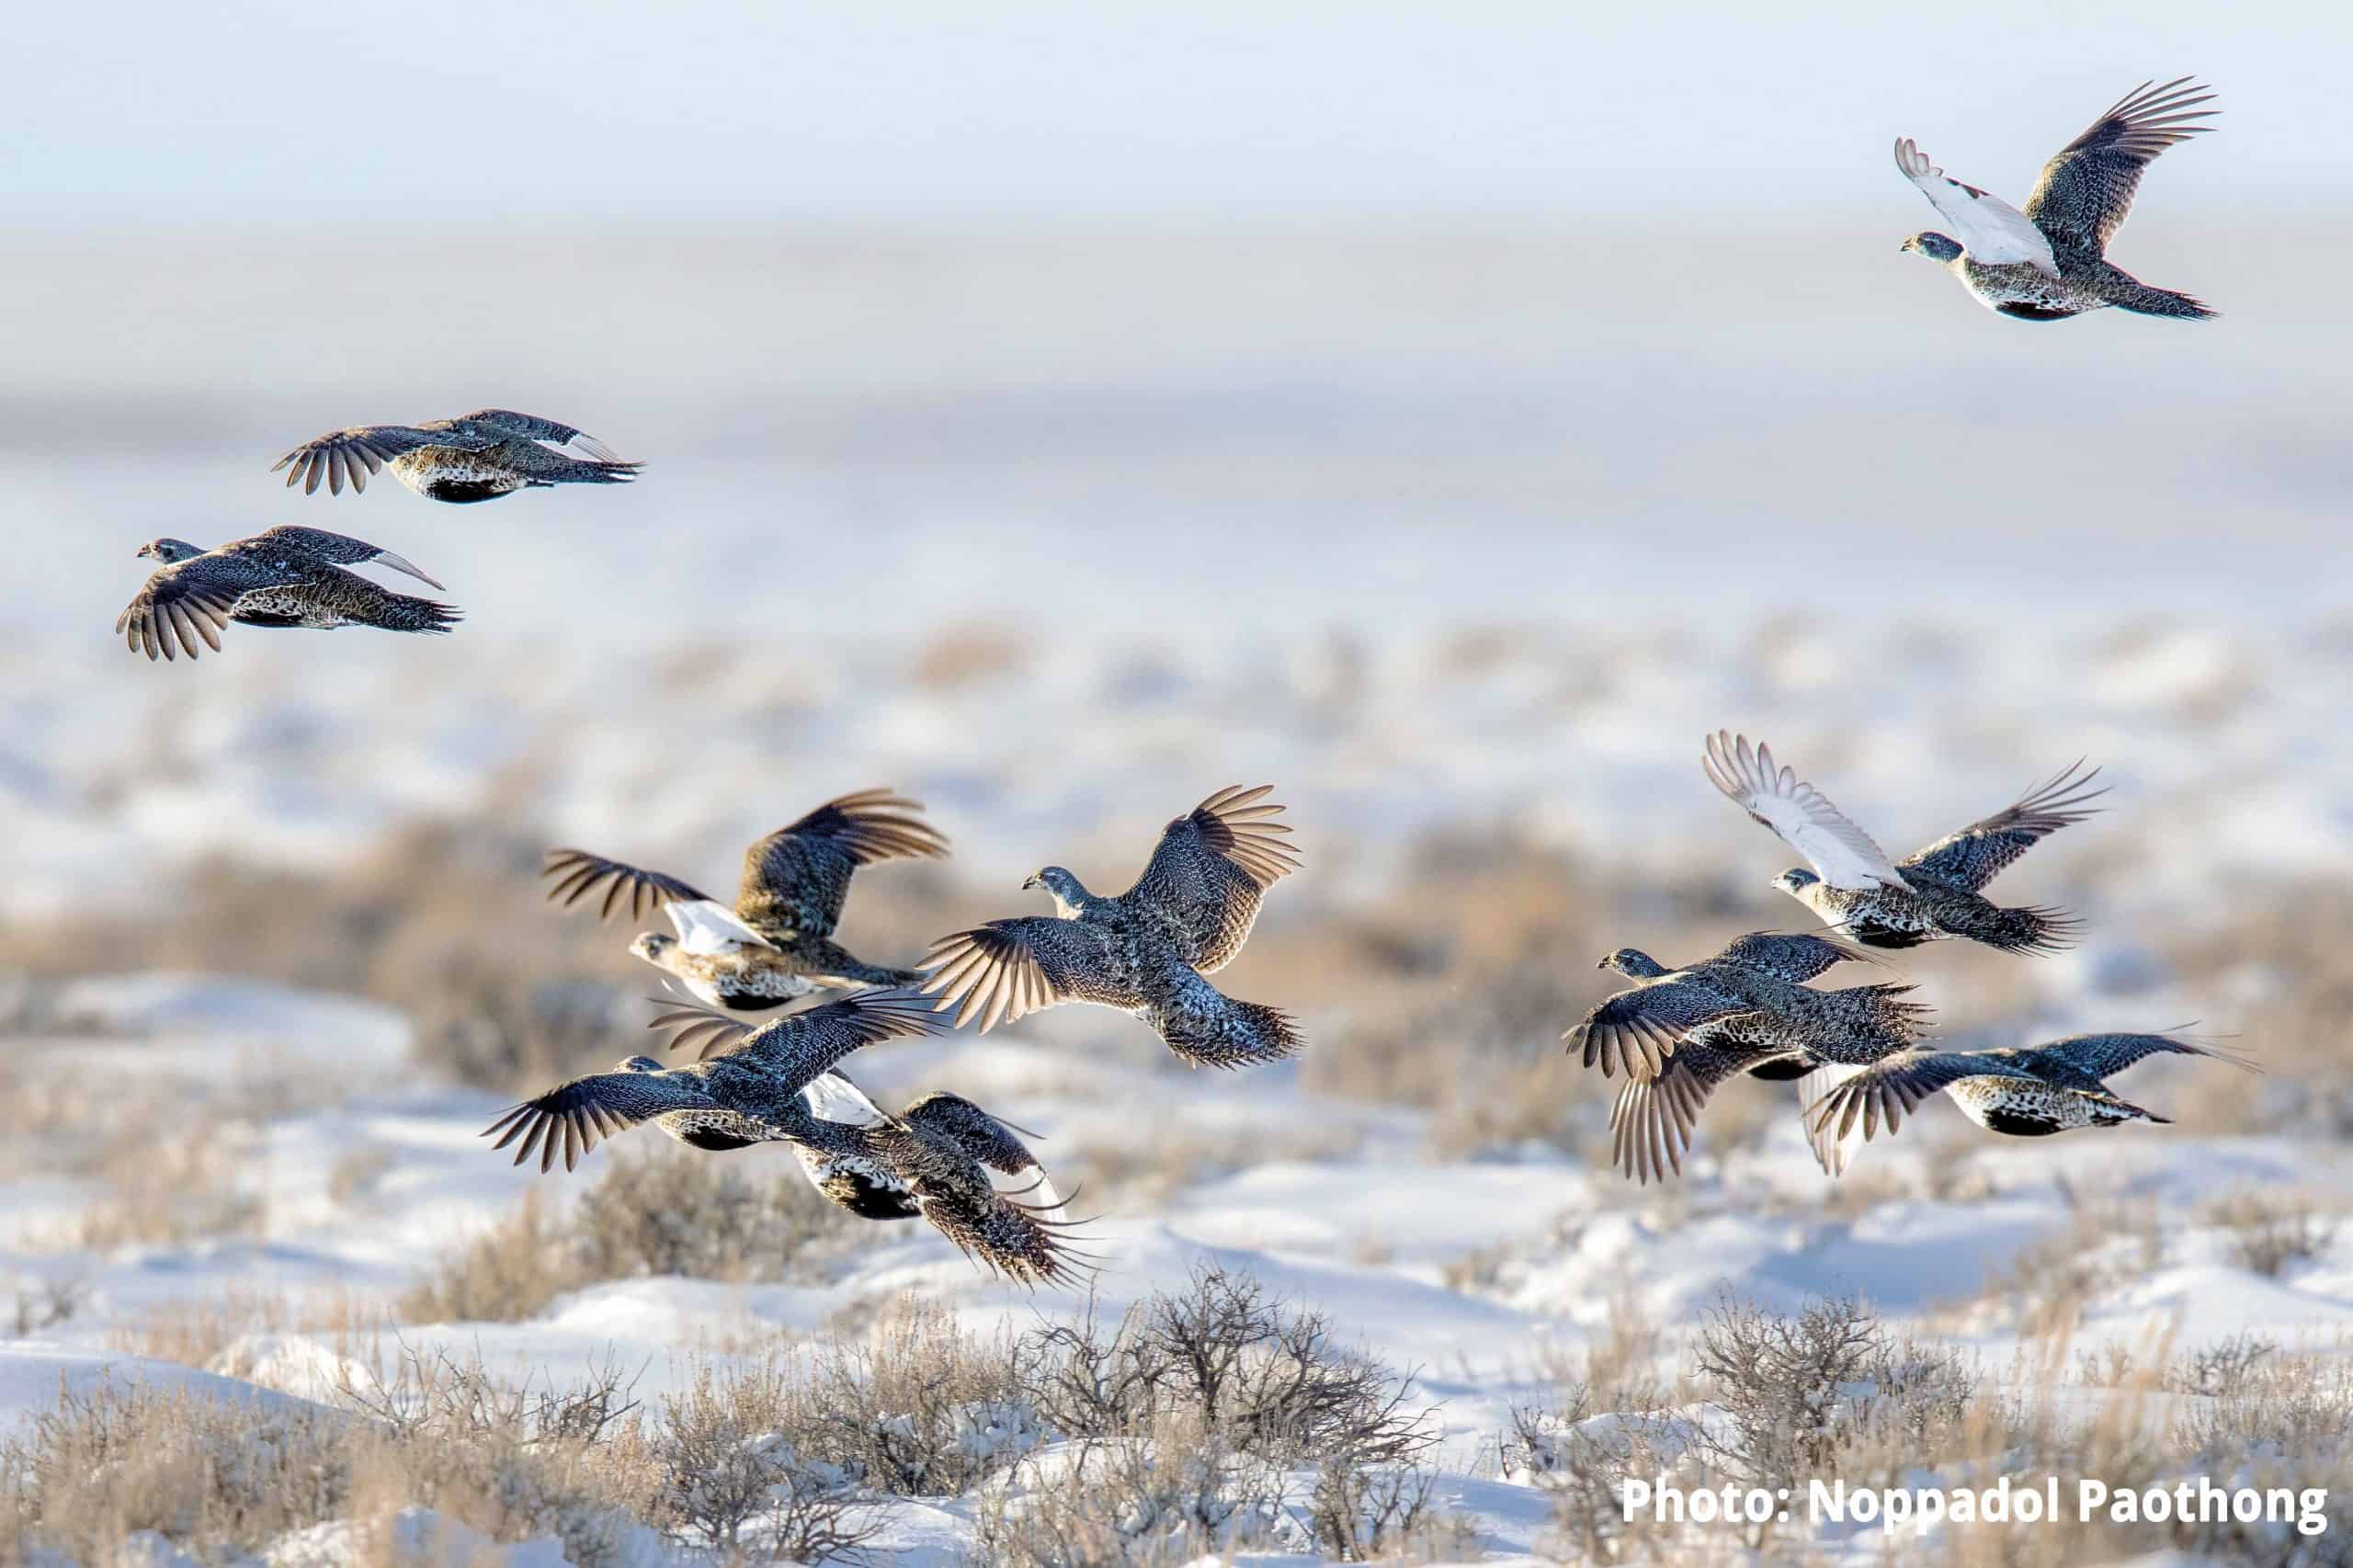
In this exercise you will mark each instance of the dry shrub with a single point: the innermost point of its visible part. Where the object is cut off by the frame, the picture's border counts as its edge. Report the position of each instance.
(1360, 1513)
(217, 1477)
(2045, 1285)
(2270, 1231)
(194, 1330)
(917, 1408)
(651, 1211)
(1224, 1350)
(225, 1477)
(38, 1305)
(725, 1469)
(1585, 1464)
(508, 1274)
(177, 1185)
(1169, 1494)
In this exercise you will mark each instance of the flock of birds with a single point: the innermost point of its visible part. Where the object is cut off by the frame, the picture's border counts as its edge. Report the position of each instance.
(1853, 1053)
(1146, 952)
(2046, 261)
(1677, 1032)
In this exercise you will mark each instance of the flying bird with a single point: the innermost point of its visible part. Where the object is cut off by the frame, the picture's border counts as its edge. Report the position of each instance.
(2050, 261)
(852, 1175)
(1144, 951)
(775, 942)
(475, 457)
(938, 1155)
(2023, 1092)
(1933, 895)
(1680, 1033)
(285, 577)
(1755, 988)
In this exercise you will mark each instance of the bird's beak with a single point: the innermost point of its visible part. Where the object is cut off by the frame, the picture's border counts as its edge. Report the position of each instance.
(1027, 883)
(386, 558)
(1602, 964)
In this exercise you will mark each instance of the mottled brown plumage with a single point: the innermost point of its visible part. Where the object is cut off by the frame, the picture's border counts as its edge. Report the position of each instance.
(1144, 951)
(779, 1083)
(283, 577)
(475, 457)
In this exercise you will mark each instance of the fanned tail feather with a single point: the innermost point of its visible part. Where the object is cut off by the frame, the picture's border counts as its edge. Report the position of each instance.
(1241, 1034)
(2033, 930)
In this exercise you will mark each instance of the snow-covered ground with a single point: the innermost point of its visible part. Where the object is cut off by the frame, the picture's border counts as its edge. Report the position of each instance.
(1450, 559)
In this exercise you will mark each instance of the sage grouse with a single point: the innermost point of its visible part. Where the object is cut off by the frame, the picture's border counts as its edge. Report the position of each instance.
(1812, 1037)
(1680, 1033)
(2025, 1092)
(1933, 894)
(2051, 262)
(286, 576)
(1144, 951)
(475, 457)
(850, 1175)
(776, 943)
(756, 1094)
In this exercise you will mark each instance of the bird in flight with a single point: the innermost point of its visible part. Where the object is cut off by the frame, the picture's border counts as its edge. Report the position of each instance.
(1936, 893)
(778, 1084)
(1681, 1032)
(2023, 1092)
(286, 576)
(475, 457)
(2050, 261)
(1144, 951)
(775, 942)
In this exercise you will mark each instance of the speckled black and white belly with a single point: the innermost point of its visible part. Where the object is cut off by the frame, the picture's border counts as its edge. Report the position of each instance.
(2025, 292)
(444, 475)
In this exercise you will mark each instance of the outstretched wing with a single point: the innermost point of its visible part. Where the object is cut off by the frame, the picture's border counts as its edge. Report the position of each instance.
(1803, 816)
(189, 601)
(529, 427)
(832, 1097)
(2103, 1055)
(1641, 1028)
(707, 926)
(579, 874)
(1789, 955)
(2084, 192)
(1204, 881)
(355, 453)
(1979, 853)
(1016, 1238)
(1006, 969)
(1890, 1088)
(576, 1115)
(796, 879)
(1651, 1122)
(691, 1024)
(1988, 227)
(1833, 1150)
(800, 1046)
(985, 1138)
(340, 550)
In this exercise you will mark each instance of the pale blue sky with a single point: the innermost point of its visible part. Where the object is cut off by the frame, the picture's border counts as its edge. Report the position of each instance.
(595, 109)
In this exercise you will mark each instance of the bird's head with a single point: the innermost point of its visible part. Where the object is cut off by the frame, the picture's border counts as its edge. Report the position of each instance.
(1633, 963)
(651, 945)
(642, 1065)
(168, 551)
(1938, 248)
(1069, 892)
(1795, 881)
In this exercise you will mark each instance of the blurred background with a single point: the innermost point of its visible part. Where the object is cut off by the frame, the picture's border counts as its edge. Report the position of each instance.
(1057, 412)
